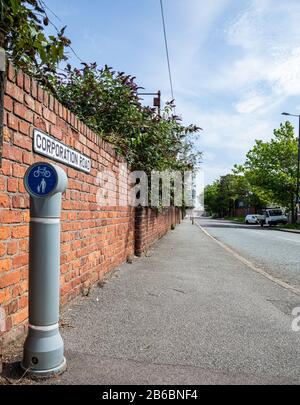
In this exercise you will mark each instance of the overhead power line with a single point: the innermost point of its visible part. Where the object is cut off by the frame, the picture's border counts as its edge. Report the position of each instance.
(45, 6)
(167, 48)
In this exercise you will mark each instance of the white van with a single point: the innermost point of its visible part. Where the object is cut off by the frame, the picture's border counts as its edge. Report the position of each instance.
(273, 216)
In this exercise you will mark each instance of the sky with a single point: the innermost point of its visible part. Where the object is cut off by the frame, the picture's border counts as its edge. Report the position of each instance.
(235, 63)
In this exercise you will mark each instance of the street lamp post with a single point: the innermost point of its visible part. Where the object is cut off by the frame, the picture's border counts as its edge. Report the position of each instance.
(156, 100)
(298, 164)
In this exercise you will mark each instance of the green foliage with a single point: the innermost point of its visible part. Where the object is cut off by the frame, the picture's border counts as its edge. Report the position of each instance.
(222, 196)
(212, 198)
(235, 219)
(271, 167)
(108, 102)
(22, 25)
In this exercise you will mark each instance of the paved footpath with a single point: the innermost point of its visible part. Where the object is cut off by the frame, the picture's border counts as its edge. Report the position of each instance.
(188, 313)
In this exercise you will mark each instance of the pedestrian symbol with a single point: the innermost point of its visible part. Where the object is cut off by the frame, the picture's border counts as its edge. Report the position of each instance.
(42, 187)
(41, 180)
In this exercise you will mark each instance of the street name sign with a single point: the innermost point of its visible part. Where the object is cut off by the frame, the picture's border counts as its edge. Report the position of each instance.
(45, 145)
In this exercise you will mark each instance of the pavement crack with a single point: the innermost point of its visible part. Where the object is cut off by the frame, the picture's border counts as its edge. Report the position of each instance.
(179, 291)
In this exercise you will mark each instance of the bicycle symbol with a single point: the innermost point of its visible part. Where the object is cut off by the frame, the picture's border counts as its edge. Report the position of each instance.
(42, 172)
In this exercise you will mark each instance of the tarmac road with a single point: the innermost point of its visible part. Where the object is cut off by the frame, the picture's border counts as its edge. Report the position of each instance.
(276, 252)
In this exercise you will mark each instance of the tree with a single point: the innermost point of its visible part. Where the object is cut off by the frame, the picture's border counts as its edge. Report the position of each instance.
(271, 167)
(105, 100)
(222, 196)
(108, 102)
(22, 35)
(211, 198)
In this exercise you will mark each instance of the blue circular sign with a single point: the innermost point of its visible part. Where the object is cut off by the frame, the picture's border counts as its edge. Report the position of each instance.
(41, 180)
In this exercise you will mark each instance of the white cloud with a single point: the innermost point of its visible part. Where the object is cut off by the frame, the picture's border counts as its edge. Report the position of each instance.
(268, 33)
(285, 75)
(235, 65)
(251, 103)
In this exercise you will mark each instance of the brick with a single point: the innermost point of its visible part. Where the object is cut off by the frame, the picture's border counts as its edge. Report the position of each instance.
(38, 108)
(24, 127)
(6, 168)
(12, 153)
(26, 216)
(56, 132)
(5, 295)
(12, 307)
(56, 106)
(41, 124)
(4, 201)
(11, 73)
(49, 116)
(8, 103)
(19, 171)
(40, 95)
(10, 217)
(23, 245)
(23, 141)
(19, 260)
(25, 272)
(46, 99)
(19, 232)
(20, 317)
(51, 102)
(23, 112)
(20, 201)
(29, 101)
(27, 83)
(23, 302)
(21, 186)
(4, 232)
(12, 122)
(12, 185)
(16, 291)
(28, 158)
(9, 279)
(7, 133)
(34, 89)
(3, 249)
(13, 91)
(12, 248)
(2, 183)
(20, 78)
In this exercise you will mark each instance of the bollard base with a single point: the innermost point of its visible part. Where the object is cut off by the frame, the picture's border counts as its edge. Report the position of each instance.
(45, 374)
(43, 351)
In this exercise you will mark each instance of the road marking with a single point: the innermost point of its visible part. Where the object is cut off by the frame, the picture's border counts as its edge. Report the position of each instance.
(249, 264)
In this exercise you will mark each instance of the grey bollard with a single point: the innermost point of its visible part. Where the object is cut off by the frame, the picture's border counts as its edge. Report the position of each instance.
(44, 349)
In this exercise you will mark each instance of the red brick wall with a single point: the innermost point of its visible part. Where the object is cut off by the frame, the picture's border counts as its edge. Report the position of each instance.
(94, 241)
(242, 212)
(152, 224)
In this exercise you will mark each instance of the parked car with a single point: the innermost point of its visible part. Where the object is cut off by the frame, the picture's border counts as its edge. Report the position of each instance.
(252, 219)
(273, 216)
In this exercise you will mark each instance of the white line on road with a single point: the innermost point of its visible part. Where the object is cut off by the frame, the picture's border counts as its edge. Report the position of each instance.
(249, 264)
